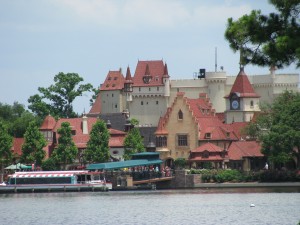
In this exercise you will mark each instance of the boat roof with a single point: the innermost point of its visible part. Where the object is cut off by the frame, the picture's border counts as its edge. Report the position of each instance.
(67, 173)
(123, 164)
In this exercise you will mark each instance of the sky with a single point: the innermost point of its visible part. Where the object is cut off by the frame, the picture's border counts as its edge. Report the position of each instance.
(40, 38)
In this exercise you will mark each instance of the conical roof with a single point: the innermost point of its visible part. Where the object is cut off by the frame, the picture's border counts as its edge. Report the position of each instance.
(242, 86)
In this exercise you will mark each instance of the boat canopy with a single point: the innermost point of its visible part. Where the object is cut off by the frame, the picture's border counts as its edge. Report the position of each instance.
(123, 164)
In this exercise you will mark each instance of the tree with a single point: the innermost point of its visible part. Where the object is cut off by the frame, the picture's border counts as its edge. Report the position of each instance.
(57, 99)
(16, 118)
(95, 91)
(5, 147)
(267, 40)
(278, 129)
(66, 150)
(34, 142)
(133, 143)
(98, 145)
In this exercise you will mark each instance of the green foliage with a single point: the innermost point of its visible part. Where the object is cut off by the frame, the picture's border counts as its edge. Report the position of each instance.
(180, 163)
(133, 143)
(5, 147)
(134, 122)
(58, 98)
(97, 150)
(282, 141)
(94, 96)
(267, 40)
(50, 165)
(34, 142)
(66, 150)
(16, 118)
(279, 176)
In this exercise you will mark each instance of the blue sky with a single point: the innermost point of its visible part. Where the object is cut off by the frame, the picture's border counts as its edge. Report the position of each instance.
(40, 38)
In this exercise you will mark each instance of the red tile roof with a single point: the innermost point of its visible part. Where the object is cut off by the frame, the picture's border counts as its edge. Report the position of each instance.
(48, 123)
(76, 124)
(161, 127)
(210, 158)
(114, 81)
(154, 68)
(17, 146)
(243, 86)
(128, 78)
(96, 108)
(241, 149)
(208, 147)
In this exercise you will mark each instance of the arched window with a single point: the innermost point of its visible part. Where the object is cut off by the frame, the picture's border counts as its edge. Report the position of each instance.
(180, 115)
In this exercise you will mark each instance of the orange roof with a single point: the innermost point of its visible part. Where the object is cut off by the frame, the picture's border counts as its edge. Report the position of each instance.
(17, 146)
(114, 81)
(153, 68)
(160, 128)
(241, 149)
(210, 158)
(208, 147)
(48, 123)
(76, 124)
(243, 86)
(96, 108)
(116, 141)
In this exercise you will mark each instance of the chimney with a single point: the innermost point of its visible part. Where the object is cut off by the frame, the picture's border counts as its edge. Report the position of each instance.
(85, 125)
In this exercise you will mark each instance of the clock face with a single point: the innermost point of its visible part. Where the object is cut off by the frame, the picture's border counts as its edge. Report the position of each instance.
(235, 104)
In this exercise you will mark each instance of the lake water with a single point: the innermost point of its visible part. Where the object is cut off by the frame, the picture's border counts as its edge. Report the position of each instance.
(214, 206)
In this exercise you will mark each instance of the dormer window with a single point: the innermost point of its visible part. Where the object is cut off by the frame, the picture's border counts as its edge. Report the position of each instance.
(207, 135)
(180, 115)
(228, 134)
(205, 154)
(147, 79)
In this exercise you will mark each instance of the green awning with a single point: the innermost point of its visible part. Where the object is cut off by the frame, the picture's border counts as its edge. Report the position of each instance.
(18, 166)
(123, 164)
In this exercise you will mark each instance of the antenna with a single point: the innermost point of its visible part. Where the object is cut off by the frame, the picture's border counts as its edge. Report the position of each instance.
(216, 58)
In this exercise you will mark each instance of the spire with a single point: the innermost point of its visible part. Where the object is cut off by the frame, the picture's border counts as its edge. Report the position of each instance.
(166, 73)
(128, 78)
(242, 85)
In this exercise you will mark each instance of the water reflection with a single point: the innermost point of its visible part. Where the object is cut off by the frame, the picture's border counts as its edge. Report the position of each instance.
(196, 206)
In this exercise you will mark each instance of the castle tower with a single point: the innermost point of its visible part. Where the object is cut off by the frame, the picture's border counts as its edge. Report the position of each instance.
(242, 101)
(128, 85)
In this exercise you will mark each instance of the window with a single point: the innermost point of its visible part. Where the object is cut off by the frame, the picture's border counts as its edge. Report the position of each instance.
(142, 103)
(112, 95)
(161, 141)
(205, 154)
(113, 85)
(149, 89)
(156, 102)
(251, 104)
(180, 115)
(115, 78)
(73, 132)
(116, 106)
(208, 135)
(157, 88)
(182, 140)
(139, 89)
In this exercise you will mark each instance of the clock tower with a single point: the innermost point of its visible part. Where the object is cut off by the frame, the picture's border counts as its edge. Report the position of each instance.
(242, 101)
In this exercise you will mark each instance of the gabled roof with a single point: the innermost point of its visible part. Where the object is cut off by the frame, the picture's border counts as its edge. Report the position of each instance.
(76, 124)
(241, 149)
(242, 86)
(208, 147)
(48, 123)
(153, 68)
(114, 81)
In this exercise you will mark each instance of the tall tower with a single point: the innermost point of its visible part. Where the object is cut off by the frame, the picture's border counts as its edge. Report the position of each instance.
(128, 86)
(242, 101)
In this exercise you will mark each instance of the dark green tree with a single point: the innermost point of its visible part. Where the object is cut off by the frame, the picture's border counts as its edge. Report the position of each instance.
(268, 40)
(5, 147)
(282, 142)
(16, 118)
(66, 151)
(34, 142)
(133, 143)
(95, 95)
(98, 145)
(57, 99)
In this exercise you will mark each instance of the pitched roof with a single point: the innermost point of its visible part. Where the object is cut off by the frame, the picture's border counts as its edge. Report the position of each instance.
(208, 147)
(114, 81)
(154, 68)
(242, 86)
(17, 146)
(241, 149)
(48, 123)
(117, 120)
(96, 107)
(76, 124)
(128, 78)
